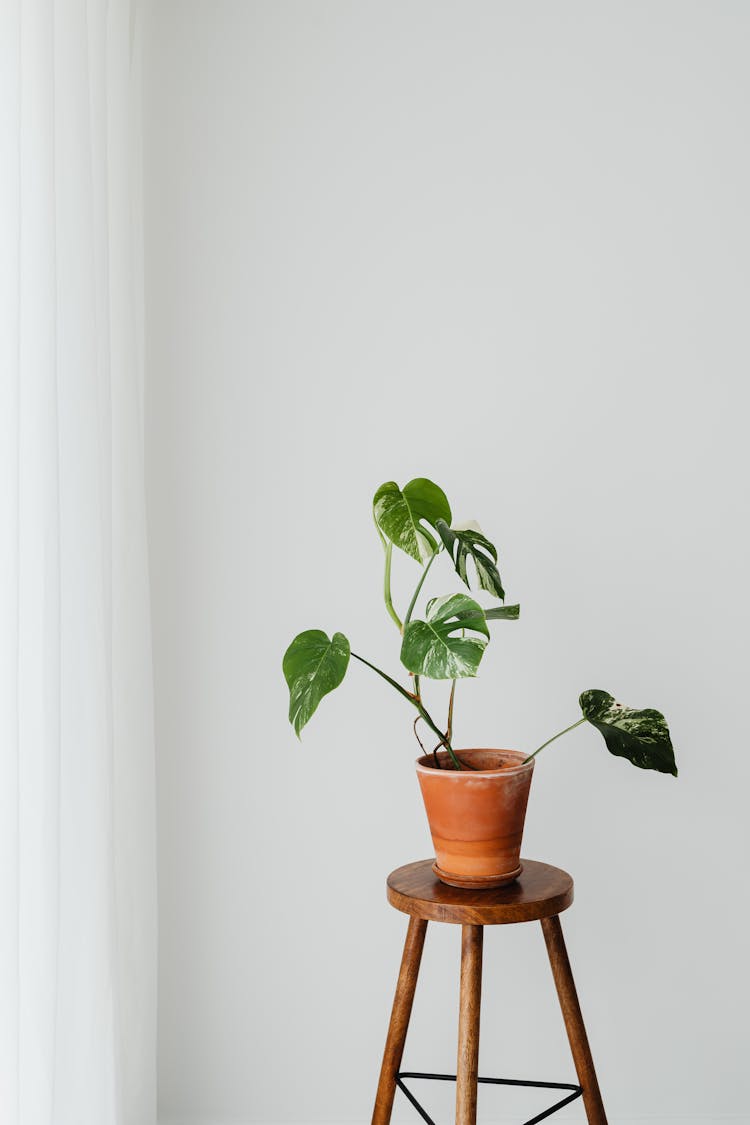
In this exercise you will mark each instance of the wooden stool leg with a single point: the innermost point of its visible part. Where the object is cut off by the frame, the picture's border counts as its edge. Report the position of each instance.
(571, 1010)
(468, 1024)
(399, 1025)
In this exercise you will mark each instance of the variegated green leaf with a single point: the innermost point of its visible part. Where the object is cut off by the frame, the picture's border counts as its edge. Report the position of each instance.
(503, 613)
(401, 515)
(640, 736)
(313, 666)
(500, 613)
(464, 544)
(431, 648)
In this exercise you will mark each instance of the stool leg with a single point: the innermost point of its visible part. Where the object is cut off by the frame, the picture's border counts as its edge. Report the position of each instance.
(468, 1025)
(571, 1010)
(399, 1025)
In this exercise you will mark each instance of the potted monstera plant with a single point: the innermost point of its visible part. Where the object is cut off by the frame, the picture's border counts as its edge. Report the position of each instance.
(475, 799)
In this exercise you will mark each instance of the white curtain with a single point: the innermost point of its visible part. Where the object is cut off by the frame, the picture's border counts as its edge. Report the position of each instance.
(77, 836)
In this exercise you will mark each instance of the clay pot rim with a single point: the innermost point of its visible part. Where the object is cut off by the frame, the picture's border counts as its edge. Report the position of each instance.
(423, 764)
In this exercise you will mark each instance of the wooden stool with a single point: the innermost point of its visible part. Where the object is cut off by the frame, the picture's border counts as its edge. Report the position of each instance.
(541, 893)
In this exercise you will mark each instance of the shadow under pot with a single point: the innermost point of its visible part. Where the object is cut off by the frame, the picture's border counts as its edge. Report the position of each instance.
(476, 815)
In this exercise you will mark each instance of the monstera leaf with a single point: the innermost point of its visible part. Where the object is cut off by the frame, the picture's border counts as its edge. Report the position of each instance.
(463, 544)
(499, 613)
(503, 613)
(431, 648)
(640, 736)
(401, 515)
(313, 666)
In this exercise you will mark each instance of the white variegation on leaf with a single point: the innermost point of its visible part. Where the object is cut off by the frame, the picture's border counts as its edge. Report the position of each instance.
(468, 525)
(463, 543)
(405, 515)
(313, 666)
(438, 647)
(640, 736)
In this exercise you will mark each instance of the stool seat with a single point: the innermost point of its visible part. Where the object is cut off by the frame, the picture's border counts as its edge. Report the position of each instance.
(541, 891)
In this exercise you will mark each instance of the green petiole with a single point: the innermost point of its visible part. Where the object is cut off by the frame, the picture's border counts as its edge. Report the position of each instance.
(415, 702)
(554, 736)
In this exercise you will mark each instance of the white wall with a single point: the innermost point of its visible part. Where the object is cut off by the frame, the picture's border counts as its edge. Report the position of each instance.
(505, 246)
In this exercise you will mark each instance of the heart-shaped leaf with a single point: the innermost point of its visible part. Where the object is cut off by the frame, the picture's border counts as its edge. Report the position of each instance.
(463, 544)
(313, 666)
(429, 647)
(640, 736)
(401, 515)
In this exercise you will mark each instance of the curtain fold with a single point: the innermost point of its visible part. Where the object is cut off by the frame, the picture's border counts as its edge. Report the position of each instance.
(77, 801)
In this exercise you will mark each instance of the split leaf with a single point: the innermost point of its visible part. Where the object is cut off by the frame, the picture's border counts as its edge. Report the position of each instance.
(464, 544)
(431, 648)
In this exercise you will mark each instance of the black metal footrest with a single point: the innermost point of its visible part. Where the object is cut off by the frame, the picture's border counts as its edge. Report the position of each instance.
(576, 1091)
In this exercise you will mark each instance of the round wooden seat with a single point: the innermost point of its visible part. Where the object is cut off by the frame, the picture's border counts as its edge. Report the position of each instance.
(541, 891)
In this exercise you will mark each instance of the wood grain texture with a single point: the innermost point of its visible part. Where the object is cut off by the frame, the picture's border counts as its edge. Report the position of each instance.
(399, 1025)
(571, 1010)
(467, 1063)
(541, 891)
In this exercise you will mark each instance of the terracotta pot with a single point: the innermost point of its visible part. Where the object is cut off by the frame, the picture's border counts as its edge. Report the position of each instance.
(476, 816)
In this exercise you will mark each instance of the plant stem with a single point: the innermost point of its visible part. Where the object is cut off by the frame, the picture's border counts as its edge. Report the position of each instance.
(554, 736)
(387, 584)
(449, 732)
(457, 765)
(415, 595)
(415, 702)
(389, 680)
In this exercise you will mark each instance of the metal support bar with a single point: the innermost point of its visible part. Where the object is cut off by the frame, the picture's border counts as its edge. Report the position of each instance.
(576, 1091)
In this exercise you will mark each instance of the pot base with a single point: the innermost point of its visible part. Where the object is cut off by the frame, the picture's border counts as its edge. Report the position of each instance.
(478, 882)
